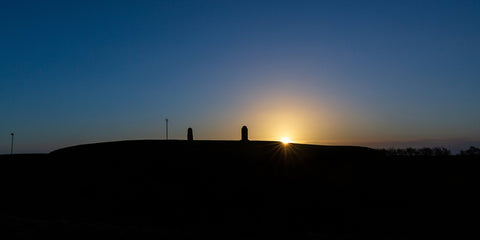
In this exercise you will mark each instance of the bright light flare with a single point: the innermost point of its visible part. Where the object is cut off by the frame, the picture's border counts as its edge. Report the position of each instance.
(286, 140)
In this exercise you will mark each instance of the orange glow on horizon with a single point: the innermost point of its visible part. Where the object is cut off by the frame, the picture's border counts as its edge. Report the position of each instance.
(284, 111)
(286, 140)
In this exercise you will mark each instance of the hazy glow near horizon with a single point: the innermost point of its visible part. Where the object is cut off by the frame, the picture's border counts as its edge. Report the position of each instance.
(355, 72)
(286, 140)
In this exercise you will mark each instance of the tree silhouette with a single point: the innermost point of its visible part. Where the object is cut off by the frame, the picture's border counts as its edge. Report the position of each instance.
(472, 151)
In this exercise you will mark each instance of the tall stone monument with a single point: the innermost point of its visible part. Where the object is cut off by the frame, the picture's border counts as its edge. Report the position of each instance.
(190, 134)
(244, 133)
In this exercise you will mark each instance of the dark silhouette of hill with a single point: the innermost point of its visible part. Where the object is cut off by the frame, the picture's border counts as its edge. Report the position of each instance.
(228, 189)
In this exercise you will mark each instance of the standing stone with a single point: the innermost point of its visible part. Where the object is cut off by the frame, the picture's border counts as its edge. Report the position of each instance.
(190, 134)
(244, 133)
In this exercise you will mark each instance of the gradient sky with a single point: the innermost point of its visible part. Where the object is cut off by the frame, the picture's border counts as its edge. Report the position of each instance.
(372, 73)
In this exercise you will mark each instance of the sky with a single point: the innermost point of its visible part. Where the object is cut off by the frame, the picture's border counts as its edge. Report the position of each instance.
(369, 73)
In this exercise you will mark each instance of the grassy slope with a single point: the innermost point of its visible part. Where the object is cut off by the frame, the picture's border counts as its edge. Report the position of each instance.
(249, 188)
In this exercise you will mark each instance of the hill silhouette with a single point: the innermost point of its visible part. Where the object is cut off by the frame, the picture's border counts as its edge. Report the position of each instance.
(227, 189)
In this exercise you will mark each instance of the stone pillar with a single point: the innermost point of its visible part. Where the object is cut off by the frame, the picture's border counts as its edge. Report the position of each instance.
(190, 134)
(244, 133)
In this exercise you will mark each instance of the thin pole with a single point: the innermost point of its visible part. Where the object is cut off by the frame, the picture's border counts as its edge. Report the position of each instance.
(166, 126)
(11, 148)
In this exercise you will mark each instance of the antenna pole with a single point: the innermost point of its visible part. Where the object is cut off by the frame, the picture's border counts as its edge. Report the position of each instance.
(166, 127)
(11, 148)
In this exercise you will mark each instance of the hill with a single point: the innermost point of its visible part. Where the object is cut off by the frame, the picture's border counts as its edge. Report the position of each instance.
(230, 188)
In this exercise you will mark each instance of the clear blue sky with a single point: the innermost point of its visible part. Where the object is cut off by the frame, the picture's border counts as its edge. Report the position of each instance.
(373, 73)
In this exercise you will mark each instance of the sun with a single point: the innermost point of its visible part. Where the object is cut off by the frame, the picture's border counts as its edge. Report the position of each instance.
(286, 140)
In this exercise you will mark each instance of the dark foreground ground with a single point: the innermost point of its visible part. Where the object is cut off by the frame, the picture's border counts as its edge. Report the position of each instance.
(235, 190)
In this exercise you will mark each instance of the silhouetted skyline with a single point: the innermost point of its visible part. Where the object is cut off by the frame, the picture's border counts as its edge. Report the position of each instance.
(367, 73)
